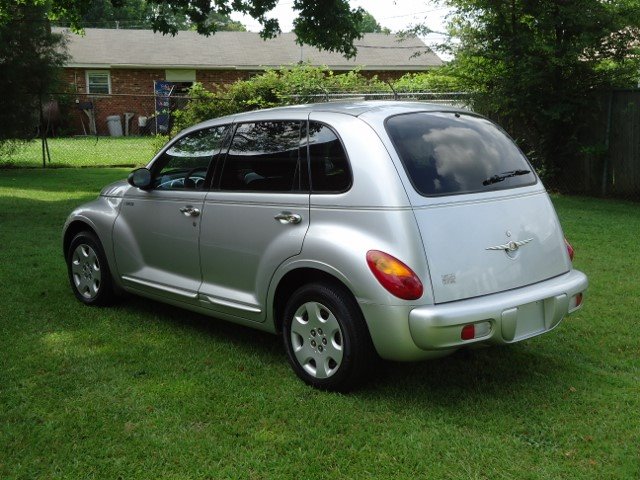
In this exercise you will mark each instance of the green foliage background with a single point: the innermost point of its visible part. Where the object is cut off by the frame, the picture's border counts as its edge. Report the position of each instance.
(541, 67)
(140, 14)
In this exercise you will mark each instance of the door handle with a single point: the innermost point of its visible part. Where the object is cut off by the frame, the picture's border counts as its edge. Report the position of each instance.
(288, 217)
(190, 211)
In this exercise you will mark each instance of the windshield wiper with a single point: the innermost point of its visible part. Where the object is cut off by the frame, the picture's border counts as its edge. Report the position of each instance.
(501, 176)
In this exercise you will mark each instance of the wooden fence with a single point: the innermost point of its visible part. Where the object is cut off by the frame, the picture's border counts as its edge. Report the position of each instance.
(609, 164)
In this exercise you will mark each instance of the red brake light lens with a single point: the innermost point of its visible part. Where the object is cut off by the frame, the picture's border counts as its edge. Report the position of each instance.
(394, 275)
(570, 249)
(468, 332)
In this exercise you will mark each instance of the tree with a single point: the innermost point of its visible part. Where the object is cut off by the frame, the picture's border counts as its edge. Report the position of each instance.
(328, 24)
(369, 24)
(139, 14)
(536, 65)
(30, 57)
(224, 23)
(130, 14)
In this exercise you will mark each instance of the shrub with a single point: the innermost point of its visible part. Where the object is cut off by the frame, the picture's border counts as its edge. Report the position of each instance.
(295, 84)
(432, 81)
(201, 106)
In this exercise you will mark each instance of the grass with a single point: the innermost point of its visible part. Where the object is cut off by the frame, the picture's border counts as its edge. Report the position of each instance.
(86, 152)
(142, 390)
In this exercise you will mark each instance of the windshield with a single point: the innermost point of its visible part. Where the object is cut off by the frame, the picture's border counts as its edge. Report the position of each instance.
(448, 153)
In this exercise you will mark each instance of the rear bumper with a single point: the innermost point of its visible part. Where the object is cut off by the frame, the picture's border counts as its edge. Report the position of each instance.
(435, 330)
(512, 316)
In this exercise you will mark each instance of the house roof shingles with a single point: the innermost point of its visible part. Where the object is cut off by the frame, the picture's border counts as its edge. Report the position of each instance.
(100, 48)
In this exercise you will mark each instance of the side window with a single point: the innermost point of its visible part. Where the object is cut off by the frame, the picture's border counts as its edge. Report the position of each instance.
(184, 166)
(330, 170)
(263, 157)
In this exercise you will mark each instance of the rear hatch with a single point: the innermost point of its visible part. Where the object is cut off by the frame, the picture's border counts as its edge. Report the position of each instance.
(487, 225)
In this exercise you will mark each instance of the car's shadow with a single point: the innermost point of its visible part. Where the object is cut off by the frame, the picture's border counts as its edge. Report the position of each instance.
(241, 336)
(467, 378)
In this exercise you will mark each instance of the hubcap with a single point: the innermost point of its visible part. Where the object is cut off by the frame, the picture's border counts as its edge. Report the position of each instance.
(85, 269)
(317, 340)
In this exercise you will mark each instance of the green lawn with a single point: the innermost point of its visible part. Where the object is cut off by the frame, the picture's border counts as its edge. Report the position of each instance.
(143, 390)
(87, 152)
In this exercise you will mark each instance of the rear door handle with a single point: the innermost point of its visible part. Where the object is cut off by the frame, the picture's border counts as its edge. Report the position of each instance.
(190, 211)
(288, 217)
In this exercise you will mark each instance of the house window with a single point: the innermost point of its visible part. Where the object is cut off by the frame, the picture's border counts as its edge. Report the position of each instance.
(98, 82)
(182, 81)
(180, 75)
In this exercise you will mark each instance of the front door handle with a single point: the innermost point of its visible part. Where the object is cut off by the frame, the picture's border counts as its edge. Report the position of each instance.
(190, 211)
(288, 217)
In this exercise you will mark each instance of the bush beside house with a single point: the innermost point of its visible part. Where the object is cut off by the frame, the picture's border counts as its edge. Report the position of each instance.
(297, 84)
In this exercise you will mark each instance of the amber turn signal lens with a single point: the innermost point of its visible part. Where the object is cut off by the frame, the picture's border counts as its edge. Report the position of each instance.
(394, 275)
(570, 249)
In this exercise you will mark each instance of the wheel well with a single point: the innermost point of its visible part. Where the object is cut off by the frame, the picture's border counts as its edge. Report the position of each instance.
(72, 230)
(296, 279)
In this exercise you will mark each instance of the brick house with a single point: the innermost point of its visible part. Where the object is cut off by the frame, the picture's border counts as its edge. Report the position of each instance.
(116, 70)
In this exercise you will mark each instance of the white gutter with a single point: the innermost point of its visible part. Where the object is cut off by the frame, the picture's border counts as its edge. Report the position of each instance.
(364, 68)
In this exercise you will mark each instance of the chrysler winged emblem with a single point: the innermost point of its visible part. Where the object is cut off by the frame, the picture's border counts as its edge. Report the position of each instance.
(511, 246)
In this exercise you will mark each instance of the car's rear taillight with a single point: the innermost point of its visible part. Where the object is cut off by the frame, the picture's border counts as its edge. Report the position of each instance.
(394, 275)
(569, 249)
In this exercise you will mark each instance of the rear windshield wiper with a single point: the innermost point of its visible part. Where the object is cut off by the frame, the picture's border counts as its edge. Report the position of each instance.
(501, 176)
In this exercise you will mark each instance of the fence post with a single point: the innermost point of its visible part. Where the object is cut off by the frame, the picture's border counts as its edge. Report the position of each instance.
(43, 135)
(605, 166)
(395, 94)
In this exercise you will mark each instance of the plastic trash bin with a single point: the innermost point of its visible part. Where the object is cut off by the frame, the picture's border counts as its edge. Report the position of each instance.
(114, 124)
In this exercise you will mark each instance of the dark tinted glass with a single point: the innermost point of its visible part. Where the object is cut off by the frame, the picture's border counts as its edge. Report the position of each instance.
(185, 164)
(264, 156)
(329, 165)
(447, 153)
(304, 164)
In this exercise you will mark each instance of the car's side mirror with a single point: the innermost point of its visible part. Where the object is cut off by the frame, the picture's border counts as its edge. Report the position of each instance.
(141, 178)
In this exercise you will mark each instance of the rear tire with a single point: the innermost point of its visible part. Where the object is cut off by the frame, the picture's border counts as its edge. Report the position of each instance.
(88, 270)
(326, 338)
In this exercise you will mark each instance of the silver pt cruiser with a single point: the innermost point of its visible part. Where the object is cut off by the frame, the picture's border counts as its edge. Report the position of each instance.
(356, 230)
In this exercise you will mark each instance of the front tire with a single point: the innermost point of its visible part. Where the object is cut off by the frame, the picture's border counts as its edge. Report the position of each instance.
(326, 338)
(88, 270)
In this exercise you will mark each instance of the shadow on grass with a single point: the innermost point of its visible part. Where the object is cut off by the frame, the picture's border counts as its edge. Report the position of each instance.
(246, 338)
(61, 179)
(469, 377)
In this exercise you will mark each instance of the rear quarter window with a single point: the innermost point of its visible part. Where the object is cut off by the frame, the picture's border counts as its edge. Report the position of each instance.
(330, 172)
(448, 153)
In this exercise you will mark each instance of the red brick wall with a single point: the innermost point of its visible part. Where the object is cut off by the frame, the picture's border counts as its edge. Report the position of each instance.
(123, 80)
(131, 91)
(140, 81)
(212, 79)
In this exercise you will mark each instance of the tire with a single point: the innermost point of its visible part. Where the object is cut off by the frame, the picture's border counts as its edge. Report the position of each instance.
(88, 270)
(326, 338)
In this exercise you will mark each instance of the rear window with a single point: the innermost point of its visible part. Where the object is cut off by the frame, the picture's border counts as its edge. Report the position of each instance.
(447, 153)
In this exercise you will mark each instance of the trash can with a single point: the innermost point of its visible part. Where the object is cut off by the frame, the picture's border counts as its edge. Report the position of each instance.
(115, 125)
